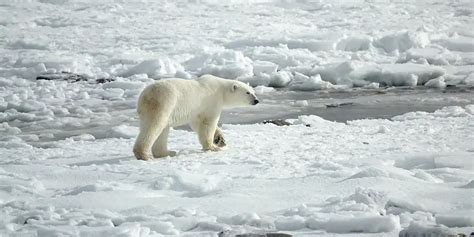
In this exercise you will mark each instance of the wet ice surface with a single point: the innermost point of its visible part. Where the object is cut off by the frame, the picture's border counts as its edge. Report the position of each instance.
(350, 104)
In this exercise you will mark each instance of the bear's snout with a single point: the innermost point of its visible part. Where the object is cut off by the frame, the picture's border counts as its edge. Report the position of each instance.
(255, 102)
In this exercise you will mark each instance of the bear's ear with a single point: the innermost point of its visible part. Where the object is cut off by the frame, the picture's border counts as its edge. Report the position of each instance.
(234, 87)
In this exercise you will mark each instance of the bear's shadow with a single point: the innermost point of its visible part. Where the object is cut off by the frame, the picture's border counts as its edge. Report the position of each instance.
(181, 154)
(184, 153)
(102, 162)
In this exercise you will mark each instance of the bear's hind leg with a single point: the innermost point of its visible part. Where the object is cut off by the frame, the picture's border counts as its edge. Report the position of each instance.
(160, 147)
(151, 126)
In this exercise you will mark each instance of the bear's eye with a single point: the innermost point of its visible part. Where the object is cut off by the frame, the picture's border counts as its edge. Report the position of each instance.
(248, 93)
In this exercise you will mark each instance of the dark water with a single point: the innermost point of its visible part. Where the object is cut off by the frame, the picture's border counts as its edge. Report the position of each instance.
(353, 104)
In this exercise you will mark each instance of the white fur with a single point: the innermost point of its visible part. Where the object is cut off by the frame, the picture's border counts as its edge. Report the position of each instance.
(174, 102)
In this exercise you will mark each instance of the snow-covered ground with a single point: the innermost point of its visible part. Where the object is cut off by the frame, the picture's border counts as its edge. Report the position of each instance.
(314, 176)
(66, 166)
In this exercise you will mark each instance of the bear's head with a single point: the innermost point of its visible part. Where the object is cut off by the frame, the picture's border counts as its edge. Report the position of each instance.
(240, 94)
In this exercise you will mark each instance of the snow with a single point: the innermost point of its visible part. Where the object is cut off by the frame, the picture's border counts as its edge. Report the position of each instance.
(227, 64)
(300, 183)
(463, 44)
(154, 68)
(433, 56)
(436, 83)
(291, 223)
(67, 168)
(254, 40)
(469, 80)
(375, 224)
(401, 41)
(460, 219)
(421, 229)
(263, 89)
(397, 74)
(280, 79)
(354, 43)
(196, 185)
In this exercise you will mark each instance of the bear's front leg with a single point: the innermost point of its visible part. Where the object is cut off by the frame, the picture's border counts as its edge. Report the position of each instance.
(206, 129)
(219, 138)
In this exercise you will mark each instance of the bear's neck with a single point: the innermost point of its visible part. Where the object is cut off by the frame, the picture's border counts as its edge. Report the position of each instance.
(226, 85)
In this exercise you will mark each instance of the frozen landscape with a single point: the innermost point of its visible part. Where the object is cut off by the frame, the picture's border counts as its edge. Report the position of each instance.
(379, 95)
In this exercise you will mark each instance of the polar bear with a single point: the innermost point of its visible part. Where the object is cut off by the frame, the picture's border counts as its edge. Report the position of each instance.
(175, 102)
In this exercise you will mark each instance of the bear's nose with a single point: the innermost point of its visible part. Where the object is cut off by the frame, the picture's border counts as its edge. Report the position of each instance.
(255, 102)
